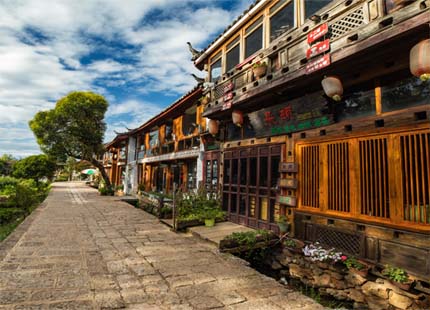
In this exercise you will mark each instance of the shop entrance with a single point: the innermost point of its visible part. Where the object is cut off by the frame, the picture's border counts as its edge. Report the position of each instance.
(250, 185)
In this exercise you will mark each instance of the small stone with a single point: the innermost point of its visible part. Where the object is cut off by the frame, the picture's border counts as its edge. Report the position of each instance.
(322, 281)
(376, 289)
(399, 301)
(353, 279)
(376, 303)
(355, 295)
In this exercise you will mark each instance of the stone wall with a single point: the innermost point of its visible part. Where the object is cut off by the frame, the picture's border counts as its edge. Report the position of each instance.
(368, 292)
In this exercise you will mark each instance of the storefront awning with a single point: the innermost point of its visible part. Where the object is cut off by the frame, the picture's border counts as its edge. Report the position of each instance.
(171, 156)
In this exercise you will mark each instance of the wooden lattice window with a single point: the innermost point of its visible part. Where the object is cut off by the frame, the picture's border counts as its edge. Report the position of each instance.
(374, 185)
(338, 177)
(310, 176)
(415, 161)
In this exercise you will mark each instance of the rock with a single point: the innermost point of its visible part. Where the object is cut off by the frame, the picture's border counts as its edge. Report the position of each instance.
(375, 303)
(375, 289)
(298, 272)
(338, 294)
(360, 306)
(354, 279)
(275, 265)
(323, 280)
(355, 295)
(399, 301)
(338, 284)
(336, 275)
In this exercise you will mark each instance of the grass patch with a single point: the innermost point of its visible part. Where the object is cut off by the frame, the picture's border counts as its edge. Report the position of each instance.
(7, 229)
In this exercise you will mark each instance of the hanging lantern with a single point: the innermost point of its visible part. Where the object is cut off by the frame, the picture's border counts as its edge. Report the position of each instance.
(213, 127)
(332, 87)
(237, 117)
(419, 60)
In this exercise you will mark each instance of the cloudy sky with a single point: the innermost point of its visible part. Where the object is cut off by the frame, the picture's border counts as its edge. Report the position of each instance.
(133, 52)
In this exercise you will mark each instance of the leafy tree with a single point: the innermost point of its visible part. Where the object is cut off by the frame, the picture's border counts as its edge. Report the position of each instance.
(6, 163)
(34, 167)
(74, 128)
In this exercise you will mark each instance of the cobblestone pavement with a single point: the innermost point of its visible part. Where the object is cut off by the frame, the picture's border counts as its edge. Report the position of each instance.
(82, 251)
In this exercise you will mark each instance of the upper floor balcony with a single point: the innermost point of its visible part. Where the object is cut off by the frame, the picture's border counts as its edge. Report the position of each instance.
(333, 34)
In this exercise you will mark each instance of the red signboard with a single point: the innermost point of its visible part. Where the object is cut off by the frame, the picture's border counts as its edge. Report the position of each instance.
(226, 105)
(228, 87)
(228, 97)
(317, 33)
(318, 48)
(318, 64)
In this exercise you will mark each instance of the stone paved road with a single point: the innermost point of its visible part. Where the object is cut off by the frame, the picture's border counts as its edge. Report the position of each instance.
(82, 251)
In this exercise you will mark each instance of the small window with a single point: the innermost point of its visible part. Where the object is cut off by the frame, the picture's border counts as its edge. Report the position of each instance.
(405, 93)
(254, 42)
(313, 6)
(216, 70)
(282, 21)
(254, 25)
(232, 58)
(358, 102)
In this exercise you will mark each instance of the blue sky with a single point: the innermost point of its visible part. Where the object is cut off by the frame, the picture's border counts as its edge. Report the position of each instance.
(132, 52)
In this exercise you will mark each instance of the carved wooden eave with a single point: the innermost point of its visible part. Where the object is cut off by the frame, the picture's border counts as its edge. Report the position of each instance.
(354, 44)
(171, 156)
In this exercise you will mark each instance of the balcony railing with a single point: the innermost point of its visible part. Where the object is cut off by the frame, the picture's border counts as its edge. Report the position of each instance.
(345, 25)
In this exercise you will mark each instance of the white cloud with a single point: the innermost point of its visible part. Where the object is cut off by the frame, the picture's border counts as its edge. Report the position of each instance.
(47, 51)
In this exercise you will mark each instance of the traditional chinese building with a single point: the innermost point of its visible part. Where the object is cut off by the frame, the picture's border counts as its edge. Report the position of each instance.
(166, 149)
(319, 117)
(115, 158)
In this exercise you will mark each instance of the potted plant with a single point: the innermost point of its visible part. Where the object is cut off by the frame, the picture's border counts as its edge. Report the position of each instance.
(120, 190)
(397, 276)
(283, 224)
(259, 69)
(208, 215)
(355, 265)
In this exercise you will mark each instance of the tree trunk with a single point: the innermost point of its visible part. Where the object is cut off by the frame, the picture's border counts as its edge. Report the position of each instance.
(99, 165)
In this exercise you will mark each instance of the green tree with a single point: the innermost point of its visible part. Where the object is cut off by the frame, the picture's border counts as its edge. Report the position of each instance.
(34, 167)
(6, 163)
(74, 128)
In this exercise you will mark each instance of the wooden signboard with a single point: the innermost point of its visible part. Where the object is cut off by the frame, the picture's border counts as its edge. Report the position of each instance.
(287, 200)
(288, 167)
(296, 115)
(228, 97)
(318, 64)
(226, 105)
(288, 183)
(228, 87)
(318, 48)
(317, 33)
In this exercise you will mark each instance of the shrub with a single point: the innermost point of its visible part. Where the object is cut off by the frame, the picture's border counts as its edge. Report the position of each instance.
(395, 274)
(106, 191)
(8, 215)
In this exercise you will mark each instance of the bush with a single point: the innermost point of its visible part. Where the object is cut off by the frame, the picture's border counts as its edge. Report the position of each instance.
(106, 191)
(8, 215)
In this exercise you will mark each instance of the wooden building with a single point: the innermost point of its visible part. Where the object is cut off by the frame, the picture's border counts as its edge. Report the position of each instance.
(167, 148)
(349, 164)
(115, 158)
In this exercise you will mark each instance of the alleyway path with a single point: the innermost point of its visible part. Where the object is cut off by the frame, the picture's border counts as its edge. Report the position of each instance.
(82, 251)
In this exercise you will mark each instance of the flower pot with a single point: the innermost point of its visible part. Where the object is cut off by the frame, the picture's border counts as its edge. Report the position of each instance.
(283, 227)
(259, 71)
(209, 222)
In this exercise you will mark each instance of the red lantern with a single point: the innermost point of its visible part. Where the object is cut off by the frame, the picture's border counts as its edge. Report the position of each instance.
(419, 60)
(332, 87)
(237, 117)
(213, 127)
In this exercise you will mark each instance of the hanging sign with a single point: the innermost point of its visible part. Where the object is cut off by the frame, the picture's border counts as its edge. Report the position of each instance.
(228, 97)
(318, 48)
(318, 64)
(228, 87)
(317, 33)
(226, 105)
